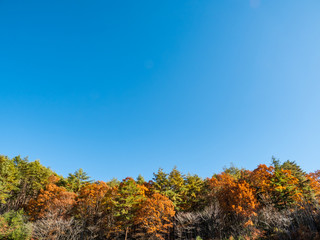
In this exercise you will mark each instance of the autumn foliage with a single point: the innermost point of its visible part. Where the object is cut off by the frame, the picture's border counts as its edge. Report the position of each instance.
(314, 179)
(154, 217)
(234, 195)
(52, 199)
(279, 201)
(90, 199)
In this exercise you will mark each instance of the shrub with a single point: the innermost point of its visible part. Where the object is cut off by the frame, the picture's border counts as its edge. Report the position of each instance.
(52, 227)
(13, 225)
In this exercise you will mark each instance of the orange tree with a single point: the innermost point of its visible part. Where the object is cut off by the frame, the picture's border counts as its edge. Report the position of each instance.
(154, 217)
(233, 195)
(260, 180)
(314, 178)
(52, 200)
(90, 199)
(91, 210)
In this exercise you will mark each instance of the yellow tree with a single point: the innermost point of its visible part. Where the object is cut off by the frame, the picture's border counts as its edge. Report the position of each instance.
(9, 179)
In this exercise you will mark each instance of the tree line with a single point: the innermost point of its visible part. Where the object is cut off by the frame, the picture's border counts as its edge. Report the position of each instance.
(279, 201)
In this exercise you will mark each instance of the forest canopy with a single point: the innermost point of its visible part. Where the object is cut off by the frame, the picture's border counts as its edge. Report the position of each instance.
(276, 201)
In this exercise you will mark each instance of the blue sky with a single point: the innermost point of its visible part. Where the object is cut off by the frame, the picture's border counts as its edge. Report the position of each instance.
(120, 88)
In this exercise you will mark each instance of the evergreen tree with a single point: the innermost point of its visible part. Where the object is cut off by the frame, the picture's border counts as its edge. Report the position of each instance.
(126, 203)
(140, 179)
(304, 182)
(161, 182)
(193, 197)
(78, 179)
(177, 187)
(8, 178)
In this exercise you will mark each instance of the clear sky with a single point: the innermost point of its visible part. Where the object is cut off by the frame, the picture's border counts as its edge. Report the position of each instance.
(120, 88)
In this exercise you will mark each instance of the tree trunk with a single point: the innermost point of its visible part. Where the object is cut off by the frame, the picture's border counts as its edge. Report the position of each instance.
(127, 228)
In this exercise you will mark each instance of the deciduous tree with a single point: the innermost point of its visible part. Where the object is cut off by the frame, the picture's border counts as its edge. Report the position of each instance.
(154, 217)
(53, 200)
(91, 209)
(234, 196)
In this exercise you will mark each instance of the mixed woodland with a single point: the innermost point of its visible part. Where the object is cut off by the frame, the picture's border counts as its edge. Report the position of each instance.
(275, 201)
